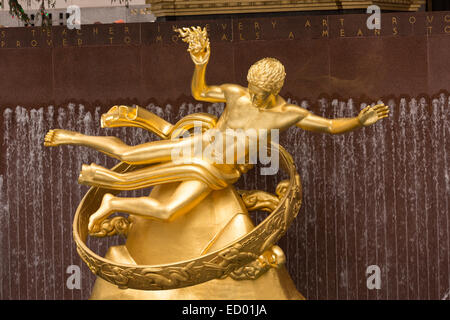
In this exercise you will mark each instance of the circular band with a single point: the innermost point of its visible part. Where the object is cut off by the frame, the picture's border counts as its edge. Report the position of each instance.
(217, 264)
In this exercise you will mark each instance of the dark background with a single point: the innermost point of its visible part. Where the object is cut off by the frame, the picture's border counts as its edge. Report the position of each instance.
(377, 196)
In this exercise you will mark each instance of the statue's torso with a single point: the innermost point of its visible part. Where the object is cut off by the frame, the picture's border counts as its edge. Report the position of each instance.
(240, 113)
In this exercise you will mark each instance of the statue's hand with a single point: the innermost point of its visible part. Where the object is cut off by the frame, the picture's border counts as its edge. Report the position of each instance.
(198, 43)
(369, 115)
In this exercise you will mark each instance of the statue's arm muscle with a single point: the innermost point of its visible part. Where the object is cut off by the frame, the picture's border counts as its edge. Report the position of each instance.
(315, 123)
(201, 91)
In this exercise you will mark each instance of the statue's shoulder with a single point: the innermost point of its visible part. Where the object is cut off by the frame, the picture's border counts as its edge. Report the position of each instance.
(290, 109)
(233, 89)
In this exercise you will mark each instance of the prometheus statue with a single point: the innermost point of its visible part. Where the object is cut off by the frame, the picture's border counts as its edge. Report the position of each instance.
(192, 237)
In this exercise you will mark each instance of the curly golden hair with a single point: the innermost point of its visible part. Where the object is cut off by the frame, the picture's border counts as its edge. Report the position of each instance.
(267, 74)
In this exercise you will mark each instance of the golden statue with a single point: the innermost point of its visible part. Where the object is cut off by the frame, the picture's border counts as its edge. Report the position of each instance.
(192, 237)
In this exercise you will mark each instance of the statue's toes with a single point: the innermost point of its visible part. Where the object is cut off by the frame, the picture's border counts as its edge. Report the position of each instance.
(49, 139)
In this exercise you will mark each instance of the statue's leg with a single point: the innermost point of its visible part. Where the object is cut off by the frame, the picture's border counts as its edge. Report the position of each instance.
(112, 146)
(187, 195)
(150, 152)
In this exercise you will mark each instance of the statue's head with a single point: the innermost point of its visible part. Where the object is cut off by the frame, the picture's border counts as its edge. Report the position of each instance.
(265, 79)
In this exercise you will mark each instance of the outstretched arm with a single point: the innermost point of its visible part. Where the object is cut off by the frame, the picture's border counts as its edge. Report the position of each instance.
(366, 117)
(200, 51)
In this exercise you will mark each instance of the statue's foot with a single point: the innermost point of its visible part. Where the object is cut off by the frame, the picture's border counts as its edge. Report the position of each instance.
(57, 137)
(87, 173)
(101, 214)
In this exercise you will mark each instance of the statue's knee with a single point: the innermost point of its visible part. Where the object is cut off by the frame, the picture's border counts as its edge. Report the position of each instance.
(169, 213)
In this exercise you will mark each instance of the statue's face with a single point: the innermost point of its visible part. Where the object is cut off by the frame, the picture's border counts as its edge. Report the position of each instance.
(258, 96)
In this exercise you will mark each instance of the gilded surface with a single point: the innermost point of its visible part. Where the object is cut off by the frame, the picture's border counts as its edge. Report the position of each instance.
(194, 184)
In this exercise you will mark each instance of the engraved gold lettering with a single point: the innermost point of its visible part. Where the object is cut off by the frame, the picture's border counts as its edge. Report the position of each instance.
(127, 40)
(430, 19)
(159, 38)
(307, 24)
(360, 33)
(95, 30)
(34, 43)
(240, 26)
(257, 35)
(447, 29)
(324, 23)
(257, 26)
(394, 20)
(394, 31)
(447, 18)
(291, 36)
(342, 21)
(224, 37)
(412, 19)
(324, 33)
(18, 44)
(111, 40)
(274, 23)
(342, 32)
(126, 30)
(111, 30)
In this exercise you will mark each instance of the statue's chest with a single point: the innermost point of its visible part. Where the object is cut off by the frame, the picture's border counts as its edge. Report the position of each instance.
(243, 116)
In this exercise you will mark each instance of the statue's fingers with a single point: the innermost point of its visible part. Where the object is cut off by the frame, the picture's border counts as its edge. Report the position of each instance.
(378, 106)
(382, 107)
(366, 108)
